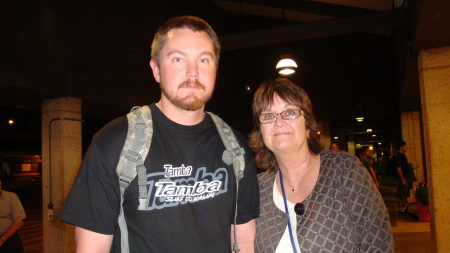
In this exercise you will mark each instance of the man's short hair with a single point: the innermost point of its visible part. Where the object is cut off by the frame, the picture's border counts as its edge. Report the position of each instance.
(363, 149)
(183, 22)
(401, 144)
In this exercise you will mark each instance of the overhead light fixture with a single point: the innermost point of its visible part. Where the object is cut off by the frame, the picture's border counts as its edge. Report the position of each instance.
(286, 65)
(369, 130)
(360, 119)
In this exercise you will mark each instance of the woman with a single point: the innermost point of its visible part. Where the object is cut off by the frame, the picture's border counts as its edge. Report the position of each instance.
(311, 200)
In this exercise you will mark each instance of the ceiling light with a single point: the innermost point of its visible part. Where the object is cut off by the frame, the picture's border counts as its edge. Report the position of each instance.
(369, 130)
(286, 65)
(360, 119)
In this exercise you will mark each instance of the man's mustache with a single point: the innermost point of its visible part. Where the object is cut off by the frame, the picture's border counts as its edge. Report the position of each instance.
(194, 83)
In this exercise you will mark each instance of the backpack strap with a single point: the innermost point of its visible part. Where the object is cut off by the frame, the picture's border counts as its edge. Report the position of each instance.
(233, 153)
(131, 162)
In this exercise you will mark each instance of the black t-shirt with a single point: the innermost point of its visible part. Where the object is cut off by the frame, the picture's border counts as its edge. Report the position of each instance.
(190, 189)
(401, 161)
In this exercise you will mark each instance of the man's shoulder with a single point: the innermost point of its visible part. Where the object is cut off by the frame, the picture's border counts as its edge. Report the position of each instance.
(239, 136)
(115, 128)
(399, 153)
(9, 195)
(363, 158)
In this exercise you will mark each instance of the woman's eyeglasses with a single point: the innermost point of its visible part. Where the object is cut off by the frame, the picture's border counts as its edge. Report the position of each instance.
(286, 115)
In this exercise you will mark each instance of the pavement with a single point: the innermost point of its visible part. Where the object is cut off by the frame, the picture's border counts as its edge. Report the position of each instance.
(410, 234)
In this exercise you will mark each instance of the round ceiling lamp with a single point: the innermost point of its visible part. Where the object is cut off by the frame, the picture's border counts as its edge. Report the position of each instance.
(286, 65)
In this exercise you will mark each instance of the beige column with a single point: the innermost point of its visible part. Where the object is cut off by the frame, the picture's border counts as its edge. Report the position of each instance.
(411, 133)
(351, 148)
(434, 73)
(61, 157)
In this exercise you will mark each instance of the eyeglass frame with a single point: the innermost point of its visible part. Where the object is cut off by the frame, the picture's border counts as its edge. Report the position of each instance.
(281, 115)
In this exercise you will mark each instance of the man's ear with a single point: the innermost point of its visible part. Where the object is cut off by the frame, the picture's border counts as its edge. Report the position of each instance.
(155, 68)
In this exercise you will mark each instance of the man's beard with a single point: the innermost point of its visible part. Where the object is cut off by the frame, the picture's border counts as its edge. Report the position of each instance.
(190, 102)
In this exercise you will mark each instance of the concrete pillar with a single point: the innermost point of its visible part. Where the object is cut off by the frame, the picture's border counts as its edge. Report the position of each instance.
(351, 147)
(434, 73)
(412, 134)
(61, 158)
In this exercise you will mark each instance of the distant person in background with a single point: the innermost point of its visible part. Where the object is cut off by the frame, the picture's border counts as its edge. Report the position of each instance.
(11, 216)
(364, 157)
(334, 147)
(403, 170)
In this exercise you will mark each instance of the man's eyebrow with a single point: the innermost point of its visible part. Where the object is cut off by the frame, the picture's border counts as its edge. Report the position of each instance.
(184, 54)
(175, 52)
(207, 53)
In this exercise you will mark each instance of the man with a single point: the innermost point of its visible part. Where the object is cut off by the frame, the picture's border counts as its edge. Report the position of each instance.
(11, 216)
(186, 150)
(367, 162)
(334, 147)
(403, 187)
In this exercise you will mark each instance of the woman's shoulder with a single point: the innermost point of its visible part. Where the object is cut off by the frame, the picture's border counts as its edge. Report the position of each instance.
(266, 175)
(336, 155)
(334, 161)
(266, 181)
(266, 178)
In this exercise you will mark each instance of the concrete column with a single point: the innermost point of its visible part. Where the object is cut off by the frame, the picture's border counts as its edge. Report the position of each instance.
(61, 158)
(411, 133)
(351, 147)
(434, 73)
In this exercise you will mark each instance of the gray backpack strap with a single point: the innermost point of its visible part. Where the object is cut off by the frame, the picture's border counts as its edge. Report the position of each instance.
(233, 154)
(131, 162)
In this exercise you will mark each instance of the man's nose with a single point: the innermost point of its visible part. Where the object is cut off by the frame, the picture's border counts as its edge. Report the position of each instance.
(192, 70)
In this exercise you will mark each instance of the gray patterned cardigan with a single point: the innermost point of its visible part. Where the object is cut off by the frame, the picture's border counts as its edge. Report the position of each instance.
(344, 213)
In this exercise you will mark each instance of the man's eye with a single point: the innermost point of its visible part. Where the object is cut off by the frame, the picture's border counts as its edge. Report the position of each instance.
(204, 60)
(177, 59)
